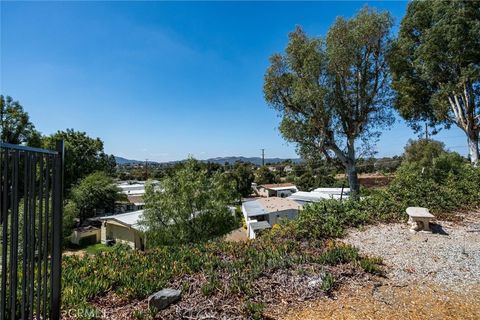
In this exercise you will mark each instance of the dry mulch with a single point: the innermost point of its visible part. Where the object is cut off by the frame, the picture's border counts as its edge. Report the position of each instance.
(287, 288)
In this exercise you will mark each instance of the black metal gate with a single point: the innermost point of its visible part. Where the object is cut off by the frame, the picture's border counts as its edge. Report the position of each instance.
(31, 197)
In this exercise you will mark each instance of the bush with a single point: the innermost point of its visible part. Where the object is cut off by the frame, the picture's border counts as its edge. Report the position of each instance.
(372, 265)
(230, 268)
(253, 310)
(449, 185)
(328, 282)
(339, 255)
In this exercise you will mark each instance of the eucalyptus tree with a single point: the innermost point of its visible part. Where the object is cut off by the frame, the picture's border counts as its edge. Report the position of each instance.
(333, 92)
(435, 64)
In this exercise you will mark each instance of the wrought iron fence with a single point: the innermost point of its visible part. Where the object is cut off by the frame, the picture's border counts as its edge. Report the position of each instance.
(31, 197)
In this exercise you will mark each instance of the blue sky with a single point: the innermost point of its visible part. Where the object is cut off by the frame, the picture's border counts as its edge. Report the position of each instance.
(164, 80)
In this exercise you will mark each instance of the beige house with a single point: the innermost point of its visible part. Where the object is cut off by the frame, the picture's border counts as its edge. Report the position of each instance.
(263, 213)
(123, 228)
(281, 190)
(85, 235)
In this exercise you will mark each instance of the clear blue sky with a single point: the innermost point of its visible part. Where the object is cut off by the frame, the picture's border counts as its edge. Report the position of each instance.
(164, 80)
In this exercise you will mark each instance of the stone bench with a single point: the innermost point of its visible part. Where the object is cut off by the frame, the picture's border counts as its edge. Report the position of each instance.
(419, 218)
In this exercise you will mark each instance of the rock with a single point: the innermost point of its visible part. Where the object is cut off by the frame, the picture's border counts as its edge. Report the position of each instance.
(163, 298)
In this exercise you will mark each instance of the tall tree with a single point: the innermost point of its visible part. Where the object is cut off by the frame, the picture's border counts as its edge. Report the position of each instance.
(435, 64)
(243, 176)
(15, 124)
(333, 92)
(263, 175)
(190, 206)
(83, 155)
(96, 191)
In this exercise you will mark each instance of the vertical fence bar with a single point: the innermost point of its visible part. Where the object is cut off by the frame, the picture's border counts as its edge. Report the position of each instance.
(33, 207)
(26, 191)
(47, 238)
(3, 295)
(40, 239)
(14, 237)
(57, 232)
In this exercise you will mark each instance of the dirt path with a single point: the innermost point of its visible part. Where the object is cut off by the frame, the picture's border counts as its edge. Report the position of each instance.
(429, 276)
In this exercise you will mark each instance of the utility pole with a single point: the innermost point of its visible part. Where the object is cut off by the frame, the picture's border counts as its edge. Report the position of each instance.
(426, 131)
(263, 157)
(146, 169)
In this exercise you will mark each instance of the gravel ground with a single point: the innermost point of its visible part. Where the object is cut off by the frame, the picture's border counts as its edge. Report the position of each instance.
(449, 257)
(428, 275)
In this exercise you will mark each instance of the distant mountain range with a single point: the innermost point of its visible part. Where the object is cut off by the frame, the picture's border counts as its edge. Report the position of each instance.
(255, 160)
(220, 160)
(123, 161)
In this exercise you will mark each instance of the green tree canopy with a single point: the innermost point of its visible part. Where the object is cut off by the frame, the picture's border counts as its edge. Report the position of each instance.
(430, 158)
(314, 178)
(263, 175)
(333, 92)
(15, 124)
(423, 152)
(243, 176)
(190, 206)
(95, 192)
(83, 155)
(435, 64)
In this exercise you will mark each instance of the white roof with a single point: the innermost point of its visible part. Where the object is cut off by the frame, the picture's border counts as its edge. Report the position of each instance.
(307, 196)
(284, 188)
(315, 196)
(333, 190)
(129, 219)
(134, 192)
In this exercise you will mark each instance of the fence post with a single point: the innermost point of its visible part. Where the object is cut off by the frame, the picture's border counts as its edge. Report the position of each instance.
(57, 232)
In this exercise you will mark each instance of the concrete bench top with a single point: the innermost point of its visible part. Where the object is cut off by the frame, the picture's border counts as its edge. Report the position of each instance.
(419, 212)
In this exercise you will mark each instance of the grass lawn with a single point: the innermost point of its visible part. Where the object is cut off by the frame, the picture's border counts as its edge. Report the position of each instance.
(96, 248)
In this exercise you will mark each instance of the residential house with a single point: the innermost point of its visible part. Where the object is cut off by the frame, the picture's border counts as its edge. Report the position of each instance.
(319, 194)
(263, 213)
(281, 190)
(134, 192)
(334, 193)
(85, 235)
(123, 228)
(288, 169)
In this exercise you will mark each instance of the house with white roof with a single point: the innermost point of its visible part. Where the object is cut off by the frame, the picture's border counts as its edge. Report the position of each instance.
(281, 190)
(319, 194)
(135, 192)
(123, 228)
(263, 213)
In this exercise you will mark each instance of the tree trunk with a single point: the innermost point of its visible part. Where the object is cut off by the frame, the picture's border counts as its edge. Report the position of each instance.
(348, 160)
(353, 179)
(473, 148)
(463, 107)
(351, 168)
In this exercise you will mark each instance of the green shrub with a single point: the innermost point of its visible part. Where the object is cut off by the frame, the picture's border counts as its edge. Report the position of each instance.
(253, 310)
(328, 283)
(449, 185)
(338, 255)
(372, 265)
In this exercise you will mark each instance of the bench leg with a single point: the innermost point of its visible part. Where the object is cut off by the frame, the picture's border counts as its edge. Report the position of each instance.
(419, 225)
(426, 225)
